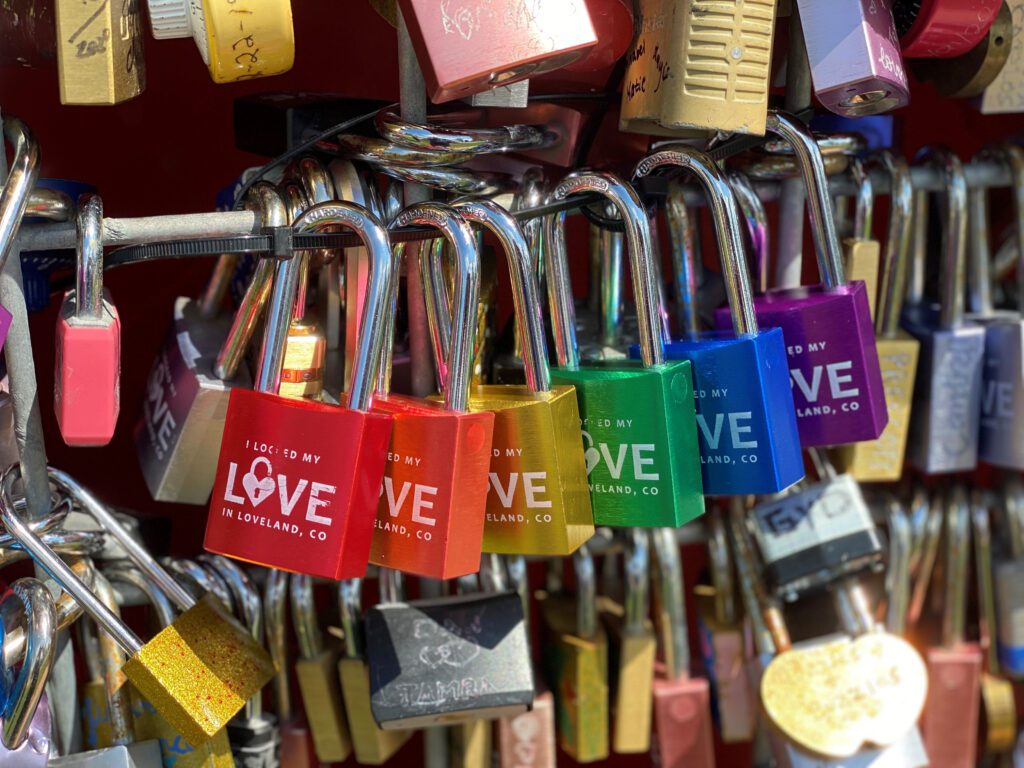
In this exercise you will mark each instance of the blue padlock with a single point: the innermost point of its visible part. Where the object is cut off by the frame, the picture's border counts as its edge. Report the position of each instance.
(749, 441)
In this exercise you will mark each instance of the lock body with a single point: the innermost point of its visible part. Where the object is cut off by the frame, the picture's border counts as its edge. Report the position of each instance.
(942, 29)
(289, 493)
(465, 48)
(325, 709)
(87, 375)
(855, 62)
(1000, 439)
(749, 442)
(640, 442)
(176, 751)
(578, 670)
(861, 262)
(178, 434)
(528, 740)
(448, 660)
(538, 499)
(431, 506)
(371, 744)
(724, 654)
(833, 361)
(947, 394)
(881, 460)
(302, 374)
(99, 52)
(1010, 605)
(949, 724)
(682, 722)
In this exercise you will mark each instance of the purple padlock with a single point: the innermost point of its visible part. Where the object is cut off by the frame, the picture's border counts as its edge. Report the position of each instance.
(829, 334)
(15, 193)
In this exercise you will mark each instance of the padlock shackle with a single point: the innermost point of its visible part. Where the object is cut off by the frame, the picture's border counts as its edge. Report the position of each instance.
(986, 591)
(819, 204)
(864, 209)
(610, 247)
(725, 213)
(350, 604)
(370, 338)
(757, 228)
(953, 272)
(112, 659)
(525, 293)
(464, 141)
(853, 607)
(264, 199)
(493, 577)
(641, 259)
(307, 632)
(122, 573)
(21, 179)
(1013, 496)
(383, 384)
(897, 575)
(636, 564)
(391, 583)
(670, 595)
(896, 257)
(683, 238)
(40, 622)
(212, 296)
(202, 581)
(59, 570)
(138, 554)
(720, 560)
(958, 543)
(275, 607)
(456, 231)
(930, 534)
(518, 581)
(317, 187)
(1013, 157)
(979, 257)
(586, 592)
(89, 258)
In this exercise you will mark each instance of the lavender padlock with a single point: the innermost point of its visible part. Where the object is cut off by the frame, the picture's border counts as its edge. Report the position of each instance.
(15, 193)
(829, 335)
(854, 55)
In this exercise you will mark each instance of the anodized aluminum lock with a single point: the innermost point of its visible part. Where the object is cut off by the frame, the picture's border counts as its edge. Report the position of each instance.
(854, 56)
(830, 341)
(948, 389)
(942, 29)
(538, 500)
(745, 414)
(87, 364)
(430, 516)
(270, 442)
(638, 420)
(179, 431)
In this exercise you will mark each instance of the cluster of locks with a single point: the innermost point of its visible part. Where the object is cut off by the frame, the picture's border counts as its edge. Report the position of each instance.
(341, 400)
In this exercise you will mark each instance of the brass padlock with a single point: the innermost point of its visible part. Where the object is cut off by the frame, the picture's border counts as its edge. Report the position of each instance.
(861, 251)
(99, 51)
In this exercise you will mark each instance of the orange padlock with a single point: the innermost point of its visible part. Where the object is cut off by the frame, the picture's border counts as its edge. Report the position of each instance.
(430, 520)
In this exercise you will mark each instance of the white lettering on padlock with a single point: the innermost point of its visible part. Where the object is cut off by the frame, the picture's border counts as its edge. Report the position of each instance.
(837, 378)
(736, 430)
(420, 502)
(998, 400)
(159, 419)
(258, 489)
(534, 485)
(601, 451)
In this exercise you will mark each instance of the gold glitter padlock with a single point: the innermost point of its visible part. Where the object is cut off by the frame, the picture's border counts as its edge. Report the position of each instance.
(199, 671)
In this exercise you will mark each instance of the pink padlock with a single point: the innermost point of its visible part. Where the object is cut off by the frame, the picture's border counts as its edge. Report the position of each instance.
(87, 375)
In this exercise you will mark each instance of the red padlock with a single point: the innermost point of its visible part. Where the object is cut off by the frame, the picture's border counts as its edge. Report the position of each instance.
(87, 368)
(297, 481)
(430, 520)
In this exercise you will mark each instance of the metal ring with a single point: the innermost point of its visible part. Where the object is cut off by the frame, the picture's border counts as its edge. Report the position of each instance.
(779, 167)
(457, 181)
(828, 143)
(466, 141)
(370, 149)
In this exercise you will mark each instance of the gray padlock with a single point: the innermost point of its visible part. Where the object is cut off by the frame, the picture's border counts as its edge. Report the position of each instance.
(947, 391)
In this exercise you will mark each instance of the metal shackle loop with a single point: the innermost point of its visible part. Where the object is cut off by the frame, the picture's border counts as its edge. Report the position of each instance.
(350, 603)
(958, 552)
(370, 149)
(864, 209)
(819, 204)
(89, 258)
(725, 213)
(21, 178)
(757, 227)
(896, 257)
(668, 584)
(370, 340)
(307, 631)
(465, 141)
(953, 274)
(637, 566)
(641, 259)
(586, 592)
(459, 234)
(525, 293)
(123, 573)
(40, 622)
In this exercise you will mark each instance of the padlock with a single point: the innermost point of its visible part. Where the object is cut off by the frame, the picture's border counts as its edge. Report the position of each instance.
(942, 29)
(1002, 402)
(1008, 573)
(643, 85)
(881, 460)
(682, 704)
(948, 391)
(372, 745)
(470, 743)
(744, 400)
(87, 368)
(315, 670)
(538, 499)
(465, 48)
(339, 492)
(815, 535)
(235, 44)
(528, 739)
(148, 723)
(632, 647)
(95, 714)
(860, 250)
(447, 660)
(430, 517)
(576, 658)
(833, 361)
(996, 691)
(218, 655)
(970, 74)
(854, 56)
(253, 734)
(1003, 95)
(179, 431)
(638, 423)
(100, 53)
(722, 639)
(950, 720)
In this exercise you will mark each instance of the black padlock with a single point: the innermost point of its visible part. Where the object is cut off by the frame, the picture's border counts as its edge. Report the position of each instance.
(448, 660)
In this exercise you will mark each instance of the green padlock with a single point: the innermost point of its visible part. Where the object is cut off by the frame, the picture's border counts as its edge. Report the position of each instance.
(638, 418)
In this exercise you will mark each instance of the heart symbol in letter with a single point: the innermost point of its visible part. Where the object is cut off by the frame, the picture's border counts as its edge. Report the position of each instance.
(591, 455)
(258, 489)
(835, 696)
